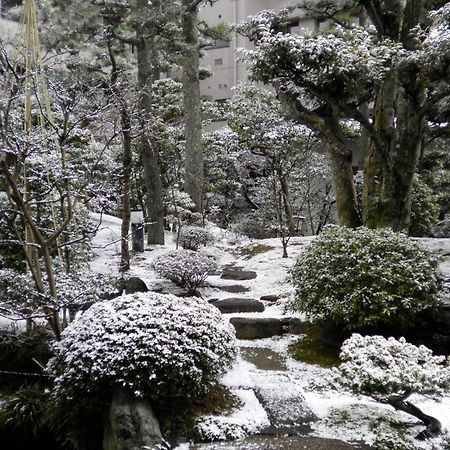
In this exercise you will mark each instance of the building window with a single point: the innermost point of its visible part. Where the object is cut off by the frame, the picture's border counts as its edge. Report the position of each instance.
(217, 43)
(218, 62)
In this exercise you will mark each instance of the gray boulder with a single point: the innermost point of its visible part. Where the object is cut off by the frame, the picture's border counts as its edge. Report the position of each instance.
(256, 328)
(130, 424)
(237, 305)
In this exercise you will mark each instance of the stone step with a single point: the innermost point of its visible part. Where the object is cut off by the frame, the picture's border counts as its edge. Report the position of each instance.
(238, 305)
(264, 327)
(238, 274)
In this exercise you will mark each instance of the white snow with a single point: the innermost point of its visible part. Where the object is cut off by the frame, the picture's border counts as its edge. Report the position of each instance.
(341, 415)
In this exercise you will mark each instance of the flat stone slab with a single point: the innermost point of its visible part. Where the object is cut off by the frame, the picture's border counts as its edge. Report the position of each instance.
(284, 403)
(238, 305)
(263, 358)
(237, 274)
(268, 442)
(233, 288)
(256, 328)
(270, 298)
(293, 325)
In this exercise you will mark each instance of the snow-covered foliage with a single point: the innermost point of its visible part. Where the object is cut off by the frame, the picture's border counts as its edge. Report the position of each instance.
(153, 344)
(192, 238)
(391, 368)
(345, 63)
(362, 277)
(424, 208)
(186, 268)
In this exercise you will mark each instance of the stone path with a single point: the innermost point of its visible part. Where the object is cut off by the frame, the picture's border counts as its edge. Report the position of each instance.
(280, 396)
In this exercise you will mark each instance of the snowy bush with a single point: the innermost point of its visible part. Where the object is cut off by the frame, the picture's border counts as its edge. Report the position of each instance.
(153, 344)
(391, 370)
(424, 208)
(360, 278)
(185, 268)
(192, 238)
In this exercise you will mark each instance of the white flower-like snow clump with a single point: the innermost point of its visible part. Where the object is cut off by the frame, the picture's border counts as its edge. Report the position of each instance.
(152, 344)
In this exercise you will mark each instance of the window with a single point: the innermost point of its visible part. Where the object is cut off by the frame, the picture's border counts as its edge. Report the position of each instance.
(217, 43)
(218, 62)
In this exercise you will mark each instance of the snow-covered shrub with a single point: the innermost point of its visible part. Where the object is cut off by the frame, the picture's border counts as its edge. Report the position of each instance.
(192, 238)
(360, 278)
(155, 345)
(391, 370)
(424, 208)
(185, 268)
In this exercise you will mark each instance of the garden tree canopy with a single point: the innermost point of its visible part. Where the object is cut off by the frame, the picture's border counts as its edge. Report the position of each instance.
(399, 64)
(286, 147)
(391, 370)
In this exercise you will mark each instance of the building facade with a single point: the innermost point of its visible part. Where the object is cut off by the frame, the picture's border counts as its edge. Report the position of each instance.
(221, 58)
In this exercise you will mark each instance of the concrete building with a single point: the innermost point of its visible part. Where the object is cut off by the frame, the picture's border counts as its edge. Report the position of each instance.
(221, 56)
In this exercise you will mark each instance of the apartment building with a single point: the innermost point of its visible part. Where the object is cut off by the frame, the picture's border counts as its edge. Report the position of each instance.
(220, 56)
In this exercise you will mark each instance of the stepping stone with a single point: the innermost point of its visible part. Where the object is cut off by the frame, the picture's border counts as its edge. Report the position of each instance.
(233, 288)
(284, 402)
(237, 274)
(293, 325)
(270, 298)
(237, 305)
(263, 358)
(256, 328)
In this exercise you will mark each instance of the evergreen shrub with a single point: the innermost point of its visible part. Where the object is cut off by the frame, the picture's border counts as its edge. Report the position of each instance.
(155, 345)
(185, 268)
(365, 279)
(192, 238)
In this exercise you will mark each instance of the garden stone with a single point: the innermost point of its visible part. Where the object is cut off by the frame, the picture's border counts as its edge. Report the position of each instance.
(234, 289)
(130, 424)
(293, 325)
(237, 305)
(270, 298)
(135, 284)
(256, 328)
(236, 274)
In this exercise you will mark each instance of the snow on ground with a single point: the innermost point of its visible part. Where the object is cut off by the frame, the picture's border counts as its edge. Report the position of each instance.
(340, 414)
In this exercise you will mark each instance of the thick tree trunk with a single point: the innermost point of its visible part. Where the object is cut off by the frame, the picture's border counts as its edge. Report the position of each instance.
(346, 201)
(150, 157)
(192, 109)
(433, 426)
(392, 158)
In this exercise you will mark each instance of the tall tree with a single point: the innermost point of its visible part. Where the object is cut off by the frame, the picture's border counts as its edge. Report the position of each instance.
(194, 178)
(324, 80)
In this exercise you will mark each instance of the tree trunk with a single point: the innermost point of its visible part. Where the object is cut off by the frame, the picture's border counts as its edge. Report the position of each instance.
(126, 186)
(433, 426)
(146, 59)
(346, 200)
(192, 109)
(287, 202)
(392, 158)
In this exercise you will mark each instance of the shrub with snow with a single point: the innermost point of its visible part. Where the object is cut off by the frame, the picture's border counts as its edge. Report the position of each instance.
(185, 268)
(360, 278)
(391, 370)
(155, 345)
(192, 238)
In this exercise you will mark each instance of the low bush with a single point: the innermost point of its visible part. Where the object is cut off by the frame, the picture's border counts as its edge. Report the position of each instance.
(424, 208)
(192, 238)
(185, 268)
(157, 346)
(365, 278)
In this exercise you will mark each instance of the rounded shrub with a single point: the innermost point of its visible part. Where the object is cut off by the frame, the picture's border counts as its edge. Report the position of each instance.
(155, 345)
(185, 268)
(365, 278)
(424, 208)
(192, 238)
